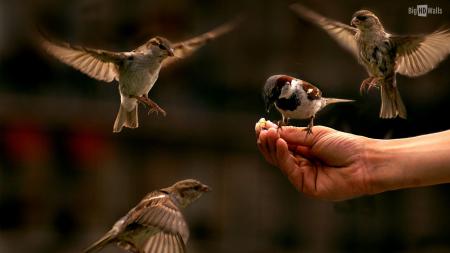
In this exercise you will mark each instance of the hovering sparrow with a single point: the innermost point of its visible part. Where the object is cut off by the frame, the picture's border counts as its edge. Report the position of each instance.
(136, 71)
(295, 98)
(156, 224)
(384, 54)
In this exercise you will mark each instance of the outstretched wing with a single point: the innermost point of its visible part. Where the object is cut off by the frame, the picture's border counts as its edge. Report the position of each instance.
(98, 64)
(342, 33)
(186, 48)
(157, 215)
(164, 242)
(418, 54)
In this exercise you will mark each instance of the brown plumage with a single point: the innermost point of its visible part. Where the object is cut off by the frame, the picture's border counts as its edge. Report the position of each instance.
(156, 224)
(295, 99)
(136, 71)
(384, 54)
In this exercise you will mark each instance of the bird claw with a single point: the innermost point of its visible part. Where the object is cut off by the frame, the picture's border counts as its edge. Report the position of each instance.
(281, 123)
(308, 130)
(153, 107)
(157, 110)
(368, 84)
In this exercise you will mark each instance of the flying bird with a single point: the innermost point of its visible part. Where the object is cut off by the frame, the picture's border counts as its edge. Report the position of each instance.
(383, 54)
(295, 99)
(156, 224)
(136, 71)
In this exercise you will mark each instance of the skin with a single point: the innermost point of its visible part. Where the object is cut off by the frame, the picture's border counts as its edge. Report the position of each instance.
(334, 165)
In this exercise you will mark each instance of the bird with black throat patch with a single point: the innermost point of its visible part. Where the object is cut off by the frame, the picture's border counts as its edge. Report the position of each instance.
(156, 224)
(136, 71)
(295, 99)
(383, 54)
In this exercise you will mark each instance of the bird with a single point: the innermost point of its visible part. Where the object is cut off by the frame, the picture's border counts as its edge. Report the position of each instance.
(295, 99)
(136, 70)
(156, 224)
(383, 54)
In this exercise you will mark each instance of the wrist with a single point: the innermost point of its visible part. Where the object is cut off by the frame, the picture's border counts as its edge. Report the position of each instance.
(383, 166)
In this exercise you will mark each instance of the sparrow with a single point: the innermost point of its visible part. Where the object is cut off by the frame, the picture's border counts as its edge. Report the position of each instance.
(156, 224)
(136, 71)
(384, 54)
(295, 99)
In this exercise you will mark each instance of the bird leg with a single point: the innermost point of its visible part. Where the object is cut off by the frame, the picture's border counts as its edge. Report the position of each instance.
(308, 129)
(369, 83)
(154, 107)
(283, 122)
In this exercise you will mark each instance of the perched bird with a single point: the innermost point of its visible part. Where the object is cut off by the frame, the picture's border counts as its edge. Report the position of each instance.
(136, 71)
(295, 99)
(156, 224)
(384, 54)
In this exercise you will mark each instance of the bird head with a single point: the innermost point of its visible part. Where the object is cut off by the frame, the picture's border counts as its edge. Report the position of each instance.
(187, 191)
(365, 20)
(272, 89)
(161, 46)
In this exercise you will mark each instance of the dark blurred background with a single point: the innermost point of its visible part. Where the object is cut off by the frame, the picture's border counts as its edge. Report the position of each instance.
(65, 178)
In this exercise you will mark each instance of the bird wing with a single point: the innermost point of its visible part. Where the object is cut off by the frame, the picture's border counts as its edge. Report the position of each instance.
(101, 243)
(185, 48)
(98, 64)
(342, 33)
(157, 210)
(418, 54)
(164, 242)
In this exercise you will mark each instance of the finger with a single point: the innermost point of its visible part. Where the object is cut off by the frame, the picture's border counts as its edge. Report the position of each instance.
(263, 147)
(263, 124)
(270, 124)
(272, 137)
(303, 151)
(297, 168)
(298, 135)
(289, 164)
(259, 126)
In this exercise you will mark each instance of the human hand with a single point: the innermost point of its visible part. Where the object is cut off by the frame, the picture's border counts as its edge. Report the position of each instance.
(326, 164)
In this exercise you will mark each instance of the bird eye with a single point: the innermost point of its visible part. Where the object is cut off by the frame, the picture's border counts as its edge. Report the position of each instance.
(361, 17)
(161, 46)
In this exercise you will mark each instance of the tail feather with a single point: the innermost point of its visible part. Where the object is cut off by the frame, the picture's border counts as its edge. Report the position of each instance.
(337, 100)
(126, 118)
(391, 103)
(100, 243)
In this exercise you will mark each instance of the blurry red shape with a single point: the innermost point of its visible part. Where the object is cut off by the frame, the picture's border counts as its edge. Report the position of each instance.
(88, 147)
(27, 142)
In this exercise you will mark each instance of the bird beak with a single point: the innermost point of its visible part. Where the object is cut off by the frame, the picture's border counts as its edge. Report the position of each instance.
(269, 105)
(205, 188)
(171, 52)
(354, 22)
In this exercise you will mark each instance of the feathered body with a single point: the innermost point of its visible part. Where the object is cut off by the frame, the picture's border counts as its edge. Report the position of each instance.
(384, 54)
(136, 71)
(156, 224)
(295, 98)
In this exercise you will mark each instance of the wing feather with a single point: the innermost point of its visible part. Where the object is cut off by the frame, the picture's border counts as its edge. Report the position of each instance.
(99, 64)
(163, 242)
(418, 54)
(342, 33)
(186, 48)
(159, 211)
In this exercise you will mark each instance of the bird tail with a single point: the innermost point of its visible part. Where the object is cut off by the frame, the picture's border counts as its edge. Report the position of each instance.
(100, 243)
(126, 118)
(391, 101)
(337, 100)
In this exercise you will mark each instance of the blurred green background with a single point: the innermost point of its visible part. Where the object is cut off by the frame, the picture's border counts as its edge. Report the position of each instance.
(65, 178)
